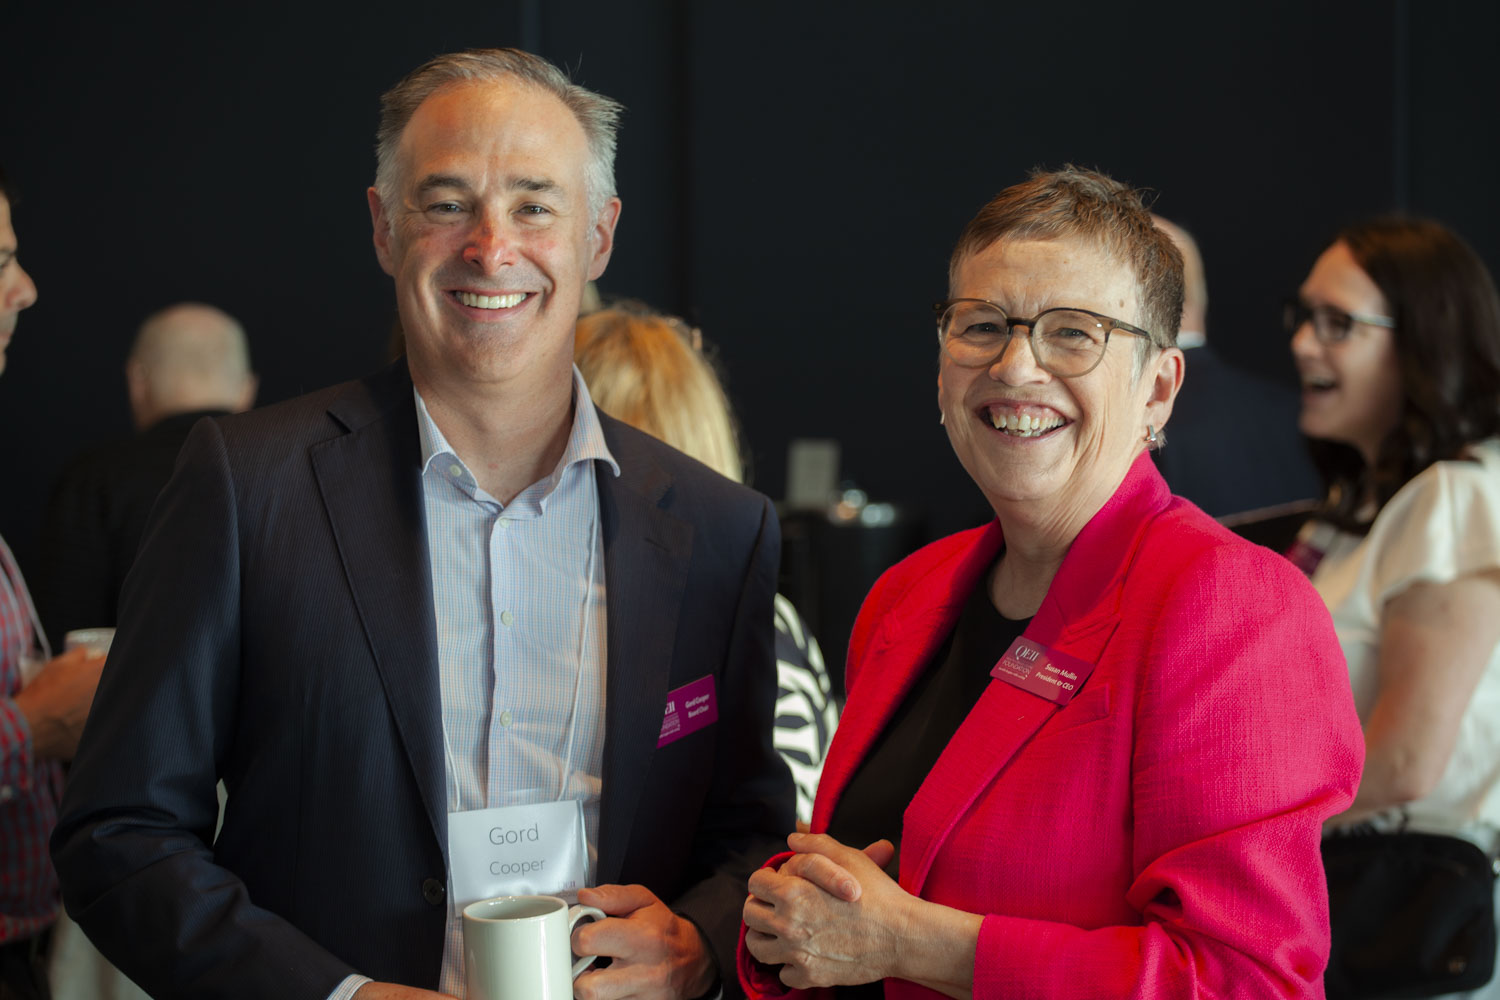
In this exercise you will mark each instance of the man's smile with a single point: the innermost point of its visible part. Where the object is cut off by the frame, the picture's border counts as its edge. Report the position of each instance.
(478, 301)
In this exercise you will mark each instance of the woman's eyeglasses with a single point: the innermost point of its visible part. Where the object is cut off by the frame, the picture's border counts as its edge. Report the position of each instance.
(1065, 342)
(1331, 325)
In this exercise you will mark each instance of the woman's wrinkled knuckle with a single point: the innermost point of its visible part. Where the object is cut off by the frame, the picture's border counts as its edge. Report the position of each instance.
(797, 892)
(762, 883)
(822, 871)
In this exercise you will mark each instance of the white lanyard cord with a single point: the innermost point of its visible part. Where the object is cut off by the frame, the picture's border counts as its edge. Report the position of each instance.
(583, 623)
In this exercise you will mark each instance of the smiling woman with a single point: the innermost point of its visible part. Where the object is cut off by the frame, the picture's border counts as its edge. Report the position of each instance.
(1034, 705)
(1396, 333)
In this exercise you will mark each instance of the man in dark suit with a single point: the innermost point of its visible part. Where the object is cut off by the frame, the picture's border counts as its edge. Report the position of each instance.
(1234, 444)
(188, 361)
(444, 599)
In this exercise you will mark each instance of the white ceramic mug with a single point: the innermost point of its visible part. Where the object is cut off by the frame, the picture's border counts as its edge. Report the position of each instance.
(519, 948)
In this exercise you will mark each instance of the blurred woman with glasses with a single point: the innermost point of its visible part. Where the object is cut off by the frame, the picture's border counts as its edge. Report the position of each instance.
(1396, 334)
(1088, 748)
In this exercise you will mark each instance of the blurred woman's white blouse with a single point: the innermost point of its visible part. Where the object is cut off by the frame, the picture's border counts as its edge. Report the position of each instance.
(1440, 527)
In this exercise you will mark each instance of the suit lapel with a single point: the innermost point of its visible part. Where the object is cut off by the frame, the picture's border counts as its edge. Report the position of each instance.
(371, 486)
(646, 554)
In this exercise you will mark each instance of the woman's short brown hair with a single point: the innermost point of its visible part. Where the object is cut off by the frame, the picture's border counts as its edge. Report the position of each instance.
(1077, 203)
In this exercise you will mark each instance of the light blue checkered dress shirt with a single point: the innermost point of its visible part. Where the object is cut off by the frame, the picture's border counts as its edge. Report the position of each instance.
(518, 591)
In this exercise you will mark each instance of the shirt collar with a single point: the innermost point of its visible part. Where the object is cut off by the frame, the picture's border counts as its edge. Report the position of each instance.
(585, 440)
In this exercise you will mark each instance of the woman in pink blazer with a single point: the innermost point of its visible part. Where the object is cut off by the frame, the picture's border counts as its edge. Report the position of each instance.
(1091, 746)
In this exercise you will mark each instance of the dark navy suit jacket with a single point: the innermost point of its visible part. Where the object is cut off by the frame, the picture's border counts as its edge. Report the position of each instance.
(277, 631)
(1232, 443)
(95, 519)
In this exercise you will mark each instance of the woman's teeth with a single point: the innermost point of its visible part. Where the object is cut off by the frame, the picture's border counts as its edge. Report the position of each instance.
(491, 301)
(1024, 425)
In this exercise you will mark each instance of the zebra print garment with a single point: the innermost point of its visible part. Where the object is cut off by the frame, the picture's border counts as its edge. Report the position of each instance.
(806, 712)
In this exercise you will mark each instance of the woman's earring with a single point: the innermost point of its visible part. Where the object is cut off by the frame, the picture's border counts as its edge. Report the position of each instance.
(941, 417)
(1153, 440)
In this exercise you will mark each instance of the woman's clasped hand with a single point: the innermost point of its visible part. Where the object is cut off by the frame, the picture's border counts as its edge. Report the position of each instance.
(829, 915)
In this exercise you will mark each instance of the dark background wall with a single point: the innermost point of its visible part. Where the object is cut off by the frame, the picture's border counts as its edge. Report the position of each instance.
(793, 173)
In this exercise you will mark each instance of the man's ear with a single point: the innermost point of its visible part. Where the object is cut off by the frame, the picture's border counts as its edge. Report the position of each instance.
(1166, 372)
(138, 387)
(603, 237)
(246, 400)
(382, 226)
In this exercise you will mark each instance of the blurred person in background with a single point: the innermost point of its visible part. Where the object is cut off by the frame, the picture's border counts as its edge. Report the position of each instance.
(1235, 446)
(1396, 335)
(650, 370)
(188, 361)
(44, 701)
(1088, 748)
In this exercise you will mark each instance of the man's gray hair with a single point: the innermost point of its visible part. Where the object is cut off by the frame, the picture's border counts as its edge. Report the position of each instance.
(598, 115)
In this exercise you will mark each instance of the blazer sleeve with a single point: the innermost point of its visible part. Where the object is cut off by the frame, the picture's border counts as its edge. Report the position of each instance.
(749, 809)
(1245, 741)
(133, 844)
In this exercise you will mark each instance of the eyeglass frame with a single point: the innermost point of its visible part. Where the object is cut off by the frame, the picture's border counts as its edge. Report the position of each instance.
(940, 309)
(1294, 306)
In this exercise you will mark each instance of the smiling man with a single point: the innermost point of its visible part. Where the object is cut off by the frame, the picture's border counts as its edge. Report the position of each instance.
(17, 291)
(402, 614)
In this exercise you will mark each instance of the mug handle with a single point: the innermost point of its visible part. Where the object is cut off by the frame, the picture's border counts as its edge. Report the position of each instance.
(575, 914)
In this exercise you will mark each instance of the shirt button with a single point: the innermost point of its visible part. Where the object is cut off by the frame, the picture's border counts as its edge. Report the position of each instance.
(506, 618)
(455, 470)
(505, 522)
(505, 719)
(433, 891)
(7, 793)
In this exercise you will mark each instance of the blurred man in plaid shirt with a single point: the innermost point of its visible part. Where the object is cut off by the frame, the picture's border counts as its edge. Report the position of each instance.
(44, 703)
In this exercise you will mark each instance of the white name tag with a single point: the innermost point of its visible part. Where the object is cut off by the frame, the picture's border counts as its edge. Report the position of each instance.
(518, 851)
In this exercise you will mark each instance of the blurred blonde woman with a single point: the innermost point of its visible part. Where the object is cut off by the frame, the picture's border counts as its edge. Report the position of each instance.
(649, 370)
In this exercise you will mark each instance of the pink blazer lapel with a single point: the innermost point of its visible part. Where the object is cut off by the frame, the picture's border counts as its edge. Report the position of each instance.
(1003, 720)
(1078, 617)
(908, 638)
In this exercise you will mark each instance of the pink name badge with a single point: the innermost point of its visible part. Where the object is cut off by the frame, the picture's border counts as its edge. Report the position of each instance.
(1033, 667)
(689, 709)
